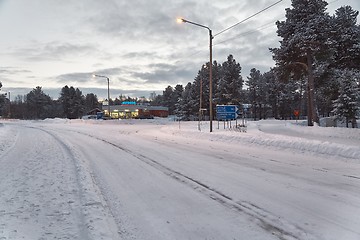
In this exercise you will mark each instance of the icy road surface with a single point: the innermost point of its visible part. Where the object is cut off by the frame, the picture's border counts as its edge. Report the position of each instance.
(156, 179)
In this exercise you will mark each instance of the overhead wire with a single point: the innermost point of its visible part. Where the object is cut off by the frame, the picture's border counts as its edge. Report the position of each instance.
(242, 34)
(265, 26)
(246, 19)
(257, 29)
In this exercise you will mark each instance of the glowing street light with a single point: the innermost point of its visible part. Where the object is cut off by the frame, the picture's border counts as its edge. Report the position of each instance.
(108, 84)
(181, 20)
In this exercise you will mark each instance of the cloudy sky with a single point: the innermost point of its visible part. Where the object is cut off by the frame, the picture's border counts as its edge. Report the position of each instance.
(136, 43)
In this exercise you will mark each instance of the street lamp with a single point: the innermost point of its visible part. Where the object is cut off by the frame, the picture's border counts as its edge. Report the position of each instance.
(181, 20)
(108, 83)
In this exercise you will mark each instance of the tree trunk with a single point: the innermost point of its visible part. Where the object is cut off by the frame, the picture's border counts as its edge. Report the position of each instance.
(354, 123)
(311, 87)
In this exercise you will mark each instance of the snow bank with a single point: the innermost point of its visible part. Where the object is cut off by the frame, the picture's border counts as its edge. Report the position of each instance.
(283, 135)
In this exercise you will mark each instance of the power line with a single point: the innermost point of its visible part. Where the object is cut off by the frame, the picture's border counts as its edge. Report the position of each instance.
(262, 27)
(226, 29)
(267, 25)
(242, 34)
(259, 28)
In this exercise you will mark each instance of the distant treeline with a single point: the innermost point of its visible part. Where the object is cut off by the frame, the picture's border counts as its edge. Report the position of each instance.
(38, 105)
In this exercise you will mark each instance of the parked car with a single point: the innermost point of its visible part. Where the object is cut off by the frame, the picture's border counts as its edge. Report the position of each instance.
(87, 117)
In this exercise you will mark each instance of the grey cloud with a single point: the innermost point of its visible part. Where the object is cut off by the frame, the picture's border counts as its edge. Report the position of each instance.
(148, 21)
(54, 51)
(144, 54)
(83, 77)
(166, 73)
(109, 71)
(13, 70)
(11, 75)
(74, 78)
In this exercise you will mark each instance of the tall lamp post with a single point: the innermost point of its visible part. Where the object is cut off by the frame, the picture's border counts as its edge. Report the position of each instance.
(108, 84)
(181, 20)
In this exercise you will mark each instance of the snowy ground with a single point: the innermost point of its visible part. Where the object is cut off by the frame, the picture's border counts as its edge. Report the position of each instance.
(158, 179)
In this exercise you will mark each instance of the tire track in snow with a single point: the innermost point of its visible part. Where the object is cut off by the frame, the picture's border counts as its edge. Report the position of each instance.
(38, 197)
(273, 224)
(96, 219)
(8, 138)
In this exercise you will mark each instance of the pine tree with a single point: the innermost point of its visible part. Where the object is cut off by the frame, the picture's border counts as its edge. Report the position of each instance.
(184, 108)
(273, 89)
(65, 101)
(73, 102)
(231, 83)
(344, 53)
(177, 94)
(39, 105)
(167, 99)
(305, 34)
(288, 99)
(216, 76)
(345, 39)
(78, 105)
(254, 94)
(347, 105)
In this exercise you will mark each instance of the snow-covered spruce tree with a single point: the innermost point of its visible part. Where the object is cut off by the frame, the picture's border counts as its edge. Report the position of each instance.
(345, 40)
(91, 102)
(72, 101)
(304, 36)
(65, 100)
(347, 105)
(176, 98)
(178, 90)
(273, 88)
(288, 99)
(255, 92)
(38, 104)
(199, 90)
(216, 76)
(78, 103)
(167, 99)
(184, 107)
(344, 53)
(202, 82)
(231, 82)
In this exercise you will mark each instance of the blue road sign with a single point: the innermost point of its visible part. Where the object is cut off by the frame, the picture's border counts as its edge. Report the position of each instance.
(226, 108)
(226, 116)
(226, 112)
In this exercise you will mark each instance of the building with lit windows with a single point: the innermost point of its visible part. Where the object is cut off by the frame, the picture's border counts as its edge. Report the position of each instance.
(132, 110)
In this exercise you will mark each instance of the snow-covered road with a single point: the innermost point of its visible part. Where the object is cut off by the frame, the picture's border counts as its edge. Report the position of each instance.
(157, 179)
